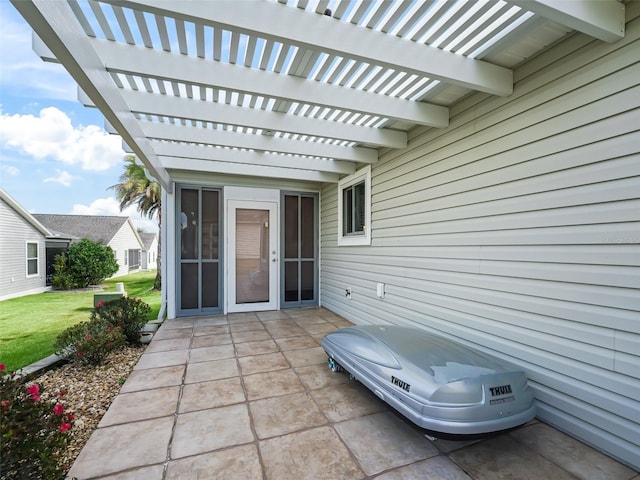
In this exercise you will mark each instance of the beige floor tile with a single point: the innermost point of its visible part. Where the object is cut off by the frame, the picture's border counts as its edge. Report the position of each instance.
(210, 330)
(139, 444)
(271, 315)
(209, 430)
(436, 468)
(320, 328)
(316, 454)
(185, 322)
(214, 370)
(167, 333)
(211, 340)
(251, 336)
(153, 378)
(216, 352)
(307, 356)
(246, 327)
(211, 321)
(341, 323)
(272, 384)
(285, 414)
(262, 363)
(242, 317)
(215, 393)
(319, 376)
(161, 359)
(296, 343)
(381, 441)
(170, 344)
(347, 401)
(131, 407)
(576, 457)
(154, 472)
(240, 463)
(281, 323)
(510, 458)
(282, 332)
(310, 320)
(256, 348)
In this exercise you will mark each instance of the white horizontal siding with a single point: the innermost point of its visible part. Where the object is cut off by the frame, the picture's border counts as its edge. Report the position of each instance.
(15, 232)
(517, 230)
(123, 241)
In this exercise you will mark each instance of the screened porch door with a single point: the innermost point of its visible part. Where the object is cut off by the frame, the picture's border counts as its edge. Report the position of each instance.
(252, 282)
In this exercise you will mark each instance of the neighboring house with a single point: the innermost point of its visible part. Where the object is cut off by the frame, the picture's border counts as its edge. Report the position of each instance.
(149, 257)
(111, 231)
(25, 248)
(468, 168)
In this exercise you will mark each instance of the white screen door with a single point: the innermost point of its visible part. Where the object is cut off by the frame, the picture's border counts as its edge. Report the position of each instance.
(252, 256)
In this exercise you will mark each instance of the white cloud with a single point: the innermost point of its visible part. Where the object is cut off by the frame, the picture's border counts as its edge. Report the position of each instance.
(110, 206)
(10, 170)
(61, 177)
(51, 135)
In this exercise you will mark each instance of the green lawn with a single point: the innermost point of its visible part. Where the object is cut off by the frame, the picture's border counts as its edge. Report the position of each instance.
(29, 325)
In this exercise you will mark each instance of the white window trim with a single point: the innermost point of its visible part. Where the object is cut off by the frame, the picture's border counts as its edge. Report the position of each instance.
(357, 177)
(27, 258)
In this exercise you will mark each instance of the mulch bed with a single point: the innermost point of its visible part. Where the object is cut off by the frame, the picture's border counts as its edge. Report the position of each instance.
(88, 393)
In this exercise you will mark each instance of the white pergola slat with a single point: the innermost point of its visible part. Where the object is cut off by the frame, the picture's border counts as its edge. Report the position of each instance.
(281, 87)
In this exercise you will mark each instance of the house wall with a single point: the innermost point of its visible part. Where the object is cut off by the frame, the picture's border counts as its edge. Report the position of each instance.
(15, 232)
(517, 231)
(122, 242)
(149, 257)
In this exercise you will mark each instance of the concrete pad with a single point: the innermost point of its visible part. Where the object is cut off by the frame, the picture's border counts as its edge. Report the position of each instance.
(319, 376)
(347, 401)
(167, 333)
(307, 356)
(162, 359)
(251, 336)
(211, 340)
(131, 407)
(320, 328)
(271, 315)
(122, 447)
(272, 384)
(296, 343)
(181, 343)
(184, 322)
(235, 463)
(209, 321)
(215, 370)
(285, 414)
(262, 363)
(316, 454)
(509, 458)
(216, 352)
(210, 330)
(216, 393)
(570, 454)
(208, 430)
(256, 348)
(310, 320)
(436, 468)
(146, 473)
(381, 441)
(246, 327)
(282, 332)
(153, 378)
(242, 317)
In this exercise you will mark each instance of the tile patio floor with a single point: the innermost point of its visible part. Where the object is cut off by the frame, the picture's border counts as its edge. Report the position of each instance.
(249, 396)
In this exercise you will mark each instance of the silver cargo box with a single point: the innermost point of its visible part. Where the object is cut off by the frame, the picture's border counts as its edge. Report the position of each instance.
(438, 384)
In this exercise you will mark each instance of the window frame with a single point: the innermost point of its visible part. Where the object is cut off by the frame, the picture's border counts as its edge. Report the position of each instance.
(36, 258)
(364, 238)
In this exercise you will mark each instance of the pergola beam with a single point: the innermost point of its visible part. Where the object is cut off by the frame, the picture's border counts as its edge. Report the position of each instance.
(601, 19)
(146, 62)
(322, 33)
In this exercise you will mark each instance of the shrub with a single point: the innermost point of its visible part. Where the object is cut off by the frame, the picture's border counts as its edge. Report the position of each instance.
(128, 313)
(33, 432)
(61, 278)
(87, 263)
(89, 342)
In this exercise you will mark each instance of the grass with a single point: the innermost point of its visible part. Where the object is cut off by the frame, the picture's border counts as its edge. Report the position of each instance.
(29, 325)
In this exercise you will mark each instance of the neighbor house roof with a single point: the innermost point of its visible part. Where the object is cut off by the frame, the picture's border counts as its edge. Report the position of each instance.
(97, 228)
(294, 89)
(147, 239)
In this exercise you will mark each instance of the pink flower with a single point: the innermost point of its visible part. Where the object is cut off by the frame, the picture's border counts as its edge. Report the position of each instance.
(34, 391)
(65, 426)
(88, 336)
(70, 416)
(100, 303)
(4, 405)
(79, 354)
(58, 409)
(2, 367)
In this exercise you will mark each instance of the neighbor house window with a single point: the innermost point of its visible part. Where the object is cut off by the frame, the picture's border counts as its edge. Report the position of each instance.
(354, 208)
(32, 259)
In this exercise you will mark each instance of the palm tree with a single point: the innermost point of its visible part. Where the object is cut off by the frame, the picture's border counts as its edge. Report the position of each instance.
(136, 189)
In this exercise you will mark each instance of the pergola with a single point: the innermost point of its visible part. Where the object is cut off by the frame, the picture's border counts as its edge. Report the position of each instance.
(293, 89)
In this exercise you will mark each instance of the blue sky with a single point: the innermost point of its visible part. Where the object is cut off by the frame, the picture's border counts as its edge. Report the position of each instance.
(55, 156)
